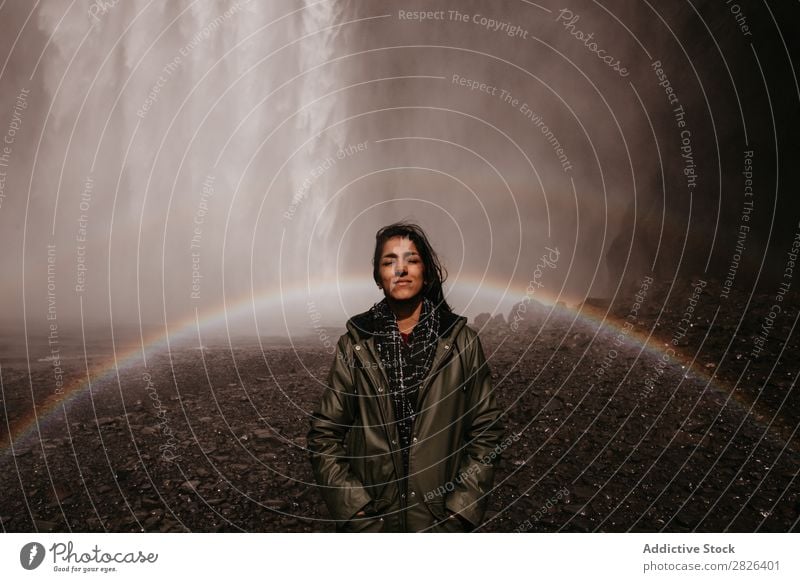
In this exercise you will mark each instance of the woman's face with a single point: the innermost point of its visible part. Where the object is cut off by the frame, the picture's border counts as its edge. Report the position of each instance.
(401, 269)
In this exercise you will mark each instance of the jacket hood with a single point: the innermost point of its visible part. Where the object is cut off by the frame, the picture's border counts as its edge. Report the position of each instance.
(362, 326)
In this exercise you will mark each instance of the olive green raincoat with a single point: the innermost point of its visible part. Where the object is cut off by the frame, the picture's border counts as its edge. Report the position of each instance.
(456, 444)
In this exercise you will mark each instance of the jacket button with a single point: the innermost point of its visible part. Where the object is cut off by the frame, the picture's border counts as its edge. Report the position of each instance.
(447, 346)
(380, 389)
(412, 494)
(414, 439)
(394, 442)
(358, 347)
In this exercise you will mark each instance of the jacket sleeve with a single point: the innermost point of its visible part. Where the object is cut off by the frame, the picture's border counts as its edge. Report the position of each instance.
(342, 491)
(483, 444)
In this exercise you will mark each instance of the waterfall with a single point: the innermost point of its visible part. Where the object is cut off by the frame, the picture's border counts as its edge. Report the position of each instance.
(320, 27)
(180, 115)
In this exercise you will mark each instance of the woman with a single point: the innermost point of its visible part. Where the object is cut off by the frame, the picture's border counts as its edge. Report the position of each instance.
(407, 432)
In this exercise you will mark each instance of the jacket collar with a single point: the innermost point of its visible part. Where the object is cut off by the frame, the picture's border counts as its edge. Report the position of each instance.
(361, 326)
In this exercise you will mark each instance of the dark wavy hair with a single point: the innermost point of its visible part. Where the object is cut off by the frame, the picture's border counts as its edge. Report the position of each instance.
(435, 274)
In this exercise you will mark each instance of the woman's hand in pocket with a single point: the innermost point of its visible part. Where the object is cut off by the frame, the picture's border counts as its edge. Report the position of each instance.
(456, 518)
(365, 520)
(369, 508)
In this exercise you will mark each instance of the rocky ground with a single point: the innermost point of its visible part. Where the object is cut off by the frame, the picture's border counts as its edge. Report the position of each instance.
(617, 432)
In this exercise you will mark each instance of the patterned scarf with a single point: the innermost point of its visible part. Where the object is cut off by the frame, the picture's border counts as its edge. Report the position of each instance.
(406, 366)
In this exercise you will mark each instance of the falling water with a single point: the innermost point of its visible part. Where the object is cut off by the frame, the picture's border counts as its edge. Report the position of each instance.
(169, 138)
(175, 158)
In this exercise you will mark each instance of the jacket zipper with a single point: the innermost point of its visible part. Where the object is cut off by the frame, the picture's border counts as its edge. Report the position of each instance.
(439, 358)
(380, 396)
(440, 361)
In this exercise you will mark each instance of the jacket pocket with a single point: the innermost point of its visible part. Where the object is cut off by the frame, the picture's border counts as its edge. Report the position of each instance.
(444, 524)
(364, 524)
(355, 450)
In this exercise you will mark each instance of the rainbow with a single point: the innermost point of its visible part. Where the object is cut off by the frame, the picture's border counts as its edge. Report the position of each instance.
(500, 294)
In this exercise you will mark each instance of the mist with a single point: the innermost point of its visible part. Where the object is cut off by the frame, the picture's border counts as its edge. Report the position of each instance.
(225, 165)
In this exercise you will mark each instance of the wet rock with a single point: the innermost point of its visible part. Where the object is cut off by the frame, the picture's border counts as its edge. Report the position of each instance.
(190, 485)
(44, 525)
(481, 320)
(150, 502)
(151, 522)
(266, 435)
